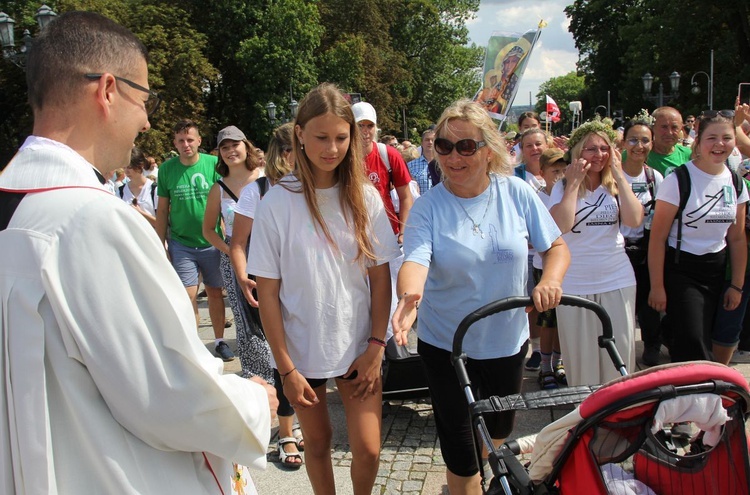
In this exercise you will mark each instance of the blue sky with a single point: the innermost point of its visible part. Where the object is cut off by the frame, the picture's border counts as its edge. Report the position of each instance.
(555, 53)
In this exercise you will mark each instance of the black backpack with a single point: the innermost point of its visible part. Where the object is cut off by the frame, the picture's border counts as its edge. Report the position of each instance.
(684, 185)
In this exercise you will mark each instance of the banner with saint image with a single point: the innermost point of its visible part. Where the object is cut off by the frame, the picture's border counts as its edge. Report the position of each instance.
(505, 60)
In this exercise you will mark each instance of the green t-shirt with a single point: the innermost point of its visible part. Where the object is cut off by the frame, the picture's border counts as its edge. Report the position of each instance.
(187, 188)
(664, 164)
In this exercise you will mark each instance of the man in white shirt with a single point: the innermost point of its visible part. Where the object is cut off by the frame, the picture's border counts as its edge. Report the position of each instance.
(93, 401)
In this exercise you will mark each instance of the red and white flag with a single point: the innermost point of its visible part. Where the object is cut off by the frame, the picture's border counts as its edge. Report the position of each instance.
(553, 111)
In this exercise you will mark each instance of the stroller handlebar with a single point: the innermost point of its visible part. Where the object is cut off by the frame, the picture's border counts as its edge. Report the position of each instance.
(606, 340)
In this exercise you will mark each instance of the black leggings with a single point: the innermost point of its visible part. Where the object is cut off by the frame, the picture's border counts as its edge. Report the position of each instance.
(501, 376)
(694, 288)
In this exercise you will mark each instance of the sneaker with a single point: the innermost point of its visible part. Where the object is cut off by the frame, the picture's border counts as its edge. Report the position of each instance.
(227, 323)
(534, 362)
(650, 356)
(740, 357)
(224, 352)
(202, 294)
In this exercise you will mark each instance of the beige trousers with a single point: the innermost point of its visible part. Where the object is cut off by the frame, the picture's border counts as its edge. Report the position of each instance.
(579, 329)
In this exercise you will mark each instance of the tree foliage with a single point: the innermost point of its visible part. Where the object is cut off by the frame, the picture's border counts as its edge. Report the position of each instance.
(619, 42)
(220, 62)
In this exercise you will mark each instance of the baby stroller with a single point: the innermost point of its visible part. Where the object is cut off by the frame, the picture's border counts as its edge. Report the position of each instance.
(619, 440)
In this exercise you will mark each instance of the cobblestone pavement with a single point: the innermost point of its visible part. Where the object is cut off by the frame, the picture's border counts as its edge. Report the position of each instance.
(411, 463)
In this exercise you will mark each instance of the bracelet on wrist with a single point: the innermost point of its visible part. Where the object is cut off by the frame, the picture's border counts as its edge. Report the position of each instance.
(738, 289)
(376, 341)
(284, 375)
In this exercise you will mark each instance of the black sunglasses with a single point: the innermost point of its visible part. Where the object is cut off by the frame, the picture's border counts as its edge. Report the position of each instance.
(153, 102)
(464, 147)
(710, 114)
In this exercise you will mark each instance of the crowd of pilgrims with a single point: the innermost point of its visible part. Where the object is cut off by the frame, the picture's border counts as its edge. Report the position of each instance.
(469, 216)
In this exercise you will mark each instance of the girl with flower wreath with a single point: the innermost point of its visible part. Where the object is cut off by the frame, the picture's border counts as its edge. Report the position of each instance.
(589, 205)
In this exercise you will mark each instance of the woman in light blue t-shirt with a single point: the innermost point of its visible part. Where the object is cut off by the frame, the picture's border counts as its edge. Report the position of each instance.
(466, 245)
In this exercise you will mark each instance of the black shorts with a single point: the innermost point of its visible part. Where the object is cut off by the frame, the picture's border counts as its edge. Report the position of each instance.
(317, 382)
(501, 376)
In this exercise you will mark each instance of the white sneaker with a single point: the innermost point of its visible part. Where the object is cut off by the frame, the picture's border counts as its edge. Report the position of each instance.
(740, 357)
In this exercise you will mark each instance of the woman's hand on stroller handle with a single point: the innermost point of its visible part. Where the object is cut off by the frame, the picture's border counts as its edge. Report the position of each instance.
(546, 295)
(404, 316)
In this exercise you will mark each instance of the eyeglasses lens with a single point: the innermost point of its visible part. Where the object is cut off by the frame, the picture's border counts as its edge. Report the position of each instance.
(635, 141)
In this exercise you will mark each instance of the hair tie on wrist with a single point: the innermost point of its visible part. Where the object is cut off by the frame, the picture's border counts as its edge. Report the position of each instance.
(283, 376)
(376, 341)
(732, 286)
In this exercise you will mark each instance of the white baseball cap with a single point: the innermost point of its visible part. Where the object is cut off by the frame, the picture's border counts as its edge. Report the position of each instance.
(364, 111)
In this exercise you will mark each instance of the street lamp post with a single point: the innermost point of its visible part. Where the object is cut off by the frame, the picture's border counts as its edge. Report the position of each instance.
(44, 15)
(293, 106)
(658, 99)
(695, 89)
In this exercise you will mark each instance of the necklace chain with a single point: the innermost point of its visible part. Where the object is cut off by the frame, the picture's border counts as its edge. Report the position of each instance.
(475, 226)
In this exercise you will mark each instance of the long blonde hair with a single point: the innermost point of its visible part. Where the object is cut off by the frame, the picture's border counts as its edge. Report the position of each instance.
(350, 174)
(276, 165)
(608, 180)
(474, 114)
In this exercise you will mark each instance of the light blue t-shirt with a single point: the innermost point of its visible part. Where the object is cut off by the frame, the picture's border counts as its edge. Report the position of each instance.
(467, 271)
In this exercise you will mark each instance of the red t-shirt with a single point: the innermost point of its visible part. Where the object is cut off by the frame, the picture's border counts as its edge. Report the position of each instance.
(377, 172)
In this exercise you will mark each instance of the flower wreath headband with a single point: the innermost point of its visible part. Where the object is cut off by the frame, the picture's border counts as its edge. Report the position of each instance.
(597, 125)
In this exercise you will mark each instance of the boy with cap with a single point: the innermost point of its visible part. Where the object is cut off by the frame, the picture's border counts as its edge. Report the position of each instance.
(552, 371)
(384, 167)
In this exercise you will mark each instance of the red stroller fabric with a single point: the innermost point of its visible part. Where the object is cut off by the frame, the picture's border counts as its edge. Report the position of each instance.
(622, 435)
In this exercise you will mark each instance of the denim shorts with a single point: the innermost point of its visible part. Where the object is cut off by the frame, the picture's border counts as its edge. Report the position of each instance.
(188, 262)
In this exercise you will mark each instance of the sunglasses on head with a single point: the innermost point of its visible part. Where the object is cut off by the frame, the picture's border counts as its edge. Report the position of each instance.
(710, 114)
(464, 147)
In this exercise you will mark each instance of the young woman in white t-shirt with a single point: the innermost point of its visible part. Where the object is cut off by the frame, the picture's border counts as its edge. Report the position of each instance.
(320, 249)
(139, 191)
(712, 222)
(238, 166)
(589, 205)
(637, 142)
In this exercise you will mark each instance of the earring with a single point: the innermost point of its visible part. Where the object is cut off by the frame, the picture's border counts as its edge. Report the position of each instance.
(302, 146)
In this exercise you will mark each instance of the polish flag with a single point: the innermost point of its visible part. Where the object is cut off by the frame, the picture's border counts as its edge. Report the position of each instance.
(553, 111)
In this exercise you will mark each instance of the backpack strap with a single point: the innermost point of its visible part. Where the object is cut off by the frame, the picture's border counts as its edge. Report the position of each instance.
(384, 156)
(122, 190)
(262, 185)
(153, 193)
(227, 190)
(651, 185)
(683, 185)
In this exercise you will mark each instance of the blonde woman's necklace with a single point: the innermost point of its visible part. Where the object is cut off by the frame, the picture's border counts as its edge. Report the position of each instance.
(476, 228)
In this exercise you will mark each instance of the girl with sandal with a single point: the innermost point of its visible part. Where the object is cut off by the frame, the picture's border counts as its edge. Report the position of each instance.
(320, 249)
(278, 164)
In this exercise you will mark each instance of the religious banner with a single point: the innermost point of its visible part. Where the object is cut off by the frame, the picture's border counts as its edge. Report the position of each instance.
(505, 60)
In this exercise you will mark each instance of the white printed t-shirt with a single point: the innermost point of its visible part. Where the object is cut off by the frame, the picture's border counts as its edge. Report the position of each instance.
(708, 213)
(325, 296)
(598, 262)
(641, 191)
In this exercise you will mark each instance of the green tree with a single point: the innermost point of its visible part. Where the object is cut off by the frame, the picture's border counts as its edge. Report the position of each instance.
(619, 42)
(563, 89)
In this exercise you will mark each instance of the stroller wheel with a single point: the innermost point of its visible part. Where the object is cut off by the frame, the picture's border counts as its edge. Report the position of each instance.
(560, 375)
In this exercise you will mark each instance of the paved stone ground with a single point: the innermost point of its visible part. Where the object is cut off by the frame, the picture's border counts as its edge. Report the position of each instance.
(411, 463)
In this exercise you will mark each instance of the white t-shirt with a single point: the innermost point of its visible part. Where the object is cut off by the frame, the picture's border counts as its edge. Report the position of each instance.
(413, 187)
(325, 296)
(641, 191)
(711, 208)
(248, 200)
(144, 197)
(598, 262)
